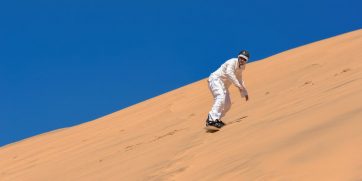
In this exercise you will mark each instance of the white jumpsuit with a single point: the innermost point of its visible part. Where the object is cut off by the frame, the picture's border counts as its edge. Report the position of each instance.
(219, 82)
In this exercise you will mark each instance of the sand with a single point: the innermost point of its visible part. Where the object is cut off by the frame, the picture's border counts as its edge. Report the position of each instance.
(303, 122)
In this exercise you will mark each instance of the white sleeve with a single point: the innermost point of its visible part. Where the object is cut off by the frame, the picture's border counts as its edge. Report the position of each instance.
(244, 91)
(230, 73)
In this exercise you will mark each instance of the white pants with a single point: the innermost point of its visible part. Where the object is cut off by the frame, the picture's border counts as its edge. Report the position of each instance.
(221, 95)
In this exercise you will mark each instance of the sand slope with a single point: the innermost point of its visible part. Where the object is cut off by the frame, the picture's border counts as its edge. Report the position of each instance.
(303, 122)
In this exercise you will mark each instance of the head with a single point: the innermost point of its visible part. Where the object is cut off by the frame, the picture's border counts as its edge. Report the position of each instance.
(243, 57)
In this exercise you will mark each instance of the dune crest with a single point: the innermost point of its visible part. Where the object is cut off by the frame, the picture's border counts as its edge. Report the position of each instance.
(303, 122)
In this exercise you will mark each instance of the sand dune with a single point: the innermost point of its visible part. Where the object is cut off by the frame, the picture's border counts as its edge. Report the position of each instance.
(303, 122)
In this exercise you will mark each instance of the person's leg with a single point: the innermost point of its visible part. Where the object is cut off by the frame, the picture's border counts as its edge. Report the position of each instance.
(227, 104)
(217, 89)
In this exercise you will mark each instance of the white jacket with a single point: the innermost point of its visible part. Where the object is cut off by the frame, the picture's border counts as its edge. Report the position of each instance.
(230, 72)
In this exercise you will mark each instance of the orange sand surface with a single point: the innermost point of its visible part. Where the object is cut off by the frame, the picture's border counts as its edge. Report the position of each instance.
(303, 122)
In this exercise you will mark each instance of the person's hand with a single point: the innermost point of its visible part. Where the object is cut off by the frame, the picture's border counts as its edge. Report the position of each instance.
(246, 97)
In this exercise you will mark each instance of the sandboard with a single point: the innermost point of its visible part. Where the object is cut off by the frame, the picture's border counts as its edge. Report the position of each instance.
(212, 128)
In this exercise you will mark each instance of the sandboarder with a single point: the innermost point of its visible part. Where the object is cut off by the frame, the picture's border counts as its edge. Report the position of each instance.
(219, 82)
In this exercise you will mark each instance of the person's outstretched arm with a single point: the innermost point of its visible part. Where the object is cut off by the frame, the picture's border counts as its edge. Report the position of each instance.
(230, 72)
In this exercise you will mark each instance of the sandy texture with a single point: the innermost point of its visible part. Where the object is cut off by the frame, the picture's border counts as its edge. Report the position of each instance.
(303, 122)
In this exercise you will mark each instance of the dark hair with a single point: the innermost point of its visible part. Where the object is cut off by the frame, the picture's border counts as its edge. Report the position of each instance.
(244, 52)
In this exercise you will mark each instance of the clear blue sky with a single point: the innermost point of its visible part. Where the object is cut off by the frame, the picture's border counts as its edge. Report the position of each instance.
(66, 62)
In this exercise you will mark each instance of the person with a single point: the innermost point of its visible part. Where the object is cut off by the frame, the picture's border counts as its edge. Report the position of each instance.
(219, 82)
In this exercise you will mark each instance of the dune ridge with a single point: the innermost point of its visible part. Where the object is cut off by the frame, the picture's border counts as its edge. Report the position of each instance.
(303, 122)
